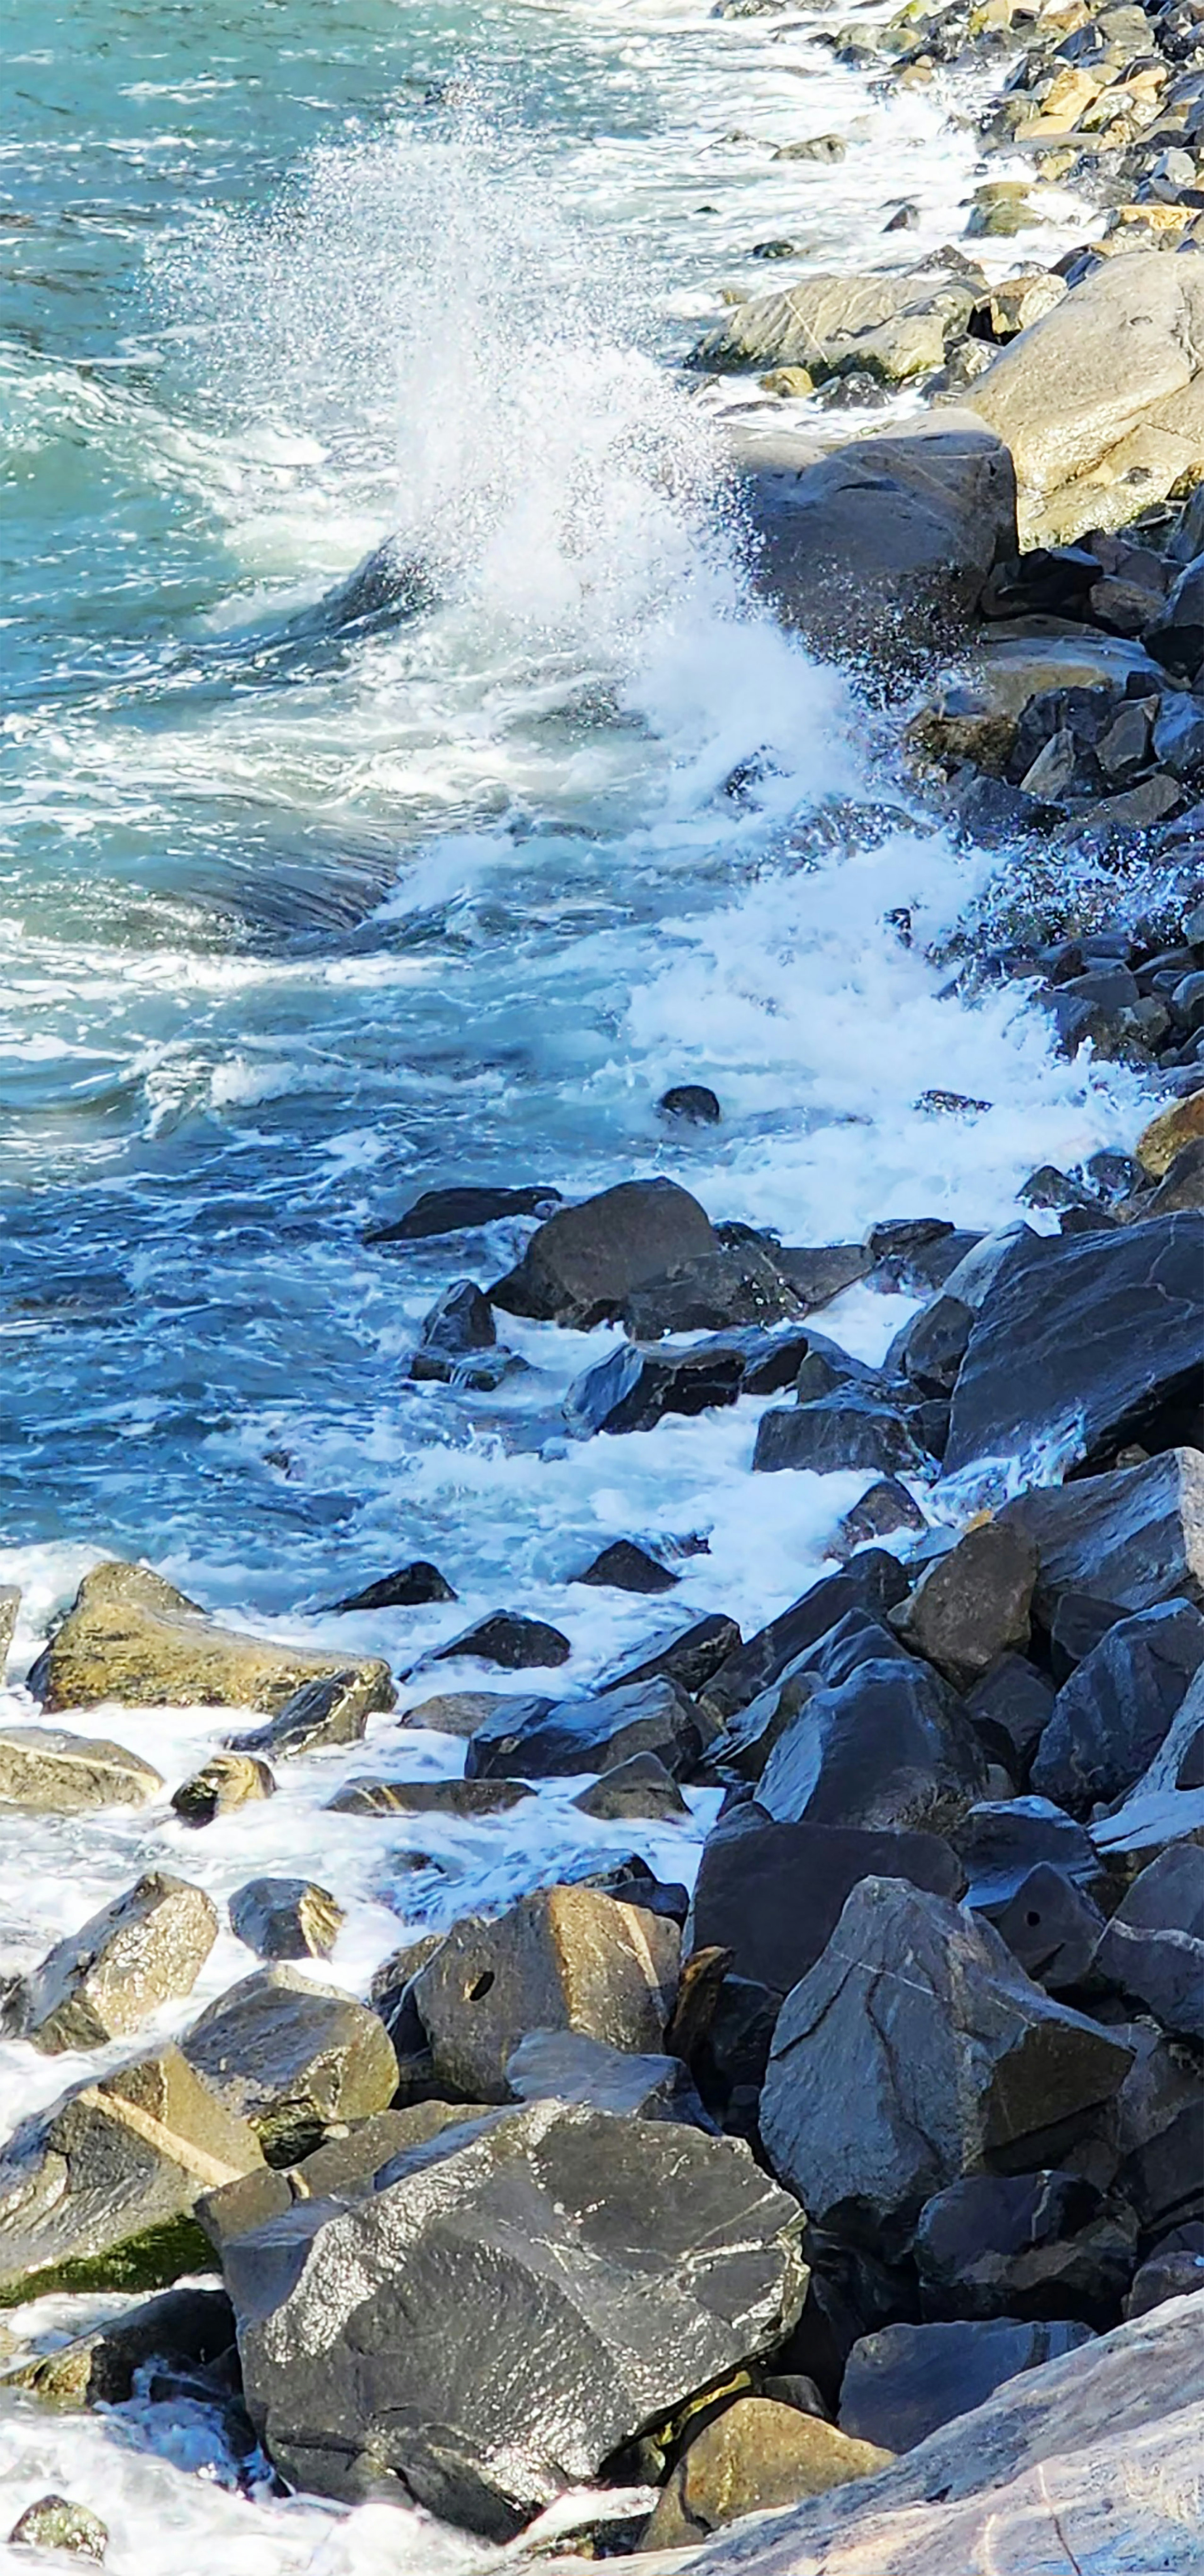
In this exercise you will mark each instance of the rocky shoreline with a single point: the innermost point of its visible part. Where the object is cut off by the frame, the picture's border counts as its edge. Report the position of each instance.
(860, 2183)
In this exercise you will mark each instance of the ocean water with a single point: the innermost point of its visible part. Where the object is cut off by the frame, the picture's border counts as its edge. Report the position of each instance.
(295, 923)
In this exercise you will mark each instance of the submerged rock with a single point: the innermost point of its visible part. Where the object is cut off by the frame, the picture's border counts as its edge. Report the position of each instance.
(565, 1958)
(130, 1636)
(55, 2523)
(624, 1567)
(145, 1949)
(227, 1781)
(406, 1589)
(914, 2052)
(507, 1638)
(507, 2307)
(460, 1210)
(49, 1772)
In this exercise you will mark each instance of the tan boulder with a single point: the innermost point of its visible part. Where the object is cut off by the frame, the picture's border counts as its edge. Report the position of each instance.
(51, 1773)
(755, 2455)
(565, 1958)
(145, 1949)
(894, 327)
(129, 1636)
(1167, 1134)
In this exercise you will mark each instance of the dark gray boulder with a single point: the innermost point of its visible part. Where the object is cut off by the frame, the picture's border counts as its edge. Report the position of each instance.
(633, 1388)
(286, 1918)
(874, 1581)
(510, 1640)
(581, 1266)
(1110, 1718)
(1014, 1695)
(460, 1210)
(405, 1589)
(1002, 1840)
(1159, 2137)
(820, 1272)
(625, 1567)
(883, 1508)
(1077, 1626)
(906, 2381)
(773, 1894)
(1168, 1895)
(891, 1748)
(568, 2066)
(689, 1657)
(98, 2367)
(738, 1285)
(460, 1321)
(1025, 2245)
(915, 2052)
(834, 1432)
(290, 2056)
(1160, 1972)
(1133, 1538)
(508, 2306)
(530, 1740)
(640, 1786)
(972, 1605)
(1051, 1926)
(334, 1708)
(1081, 1347)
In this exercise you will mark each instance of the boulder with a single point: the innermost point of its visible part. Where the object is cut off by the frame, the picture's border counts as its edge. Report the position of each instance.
(565, 1958)
(773, 1894)
(51, 1773)
(460, 1321)
(145, 1949)
(1051, 1926)
(1175, 1127)
(819, 1272)
(906, 2381)
(1109, 1720)
(972, 1605)
(10, 1603)
(1160, 2137)
(1133, 1538)
(892, 535)
(755, 2455)
(406, 1589)
(99, 2190)
(461, 1210)
(1014, 1696)
(53, 2522)
(585, 1261)
(130, 1636)
(569, 2066)
(365, 1796)
(286, 1918)
(890, 327)
(542, 1740)
(834, 1432)
(624, 1567)
(890, 1749)
(1024, 2245)
(289, 2056)
(1162, 1972)
(693, 1102)
(509, 1639)
(1080, 1348)
(915, 2052)
(641, 1786)
(455, 1712)
(1069, 2458)
(633, 1388)
(884, 1507)
(1002, 1842)
(227, 1781)
(342, 2170)
(98, 2367)
(689, 1658)
(508, 2307)
(333, 1708)
(874, 1582)
(737, 1286)
(1168, 1895)
(1174, 2270)
(1115, 357)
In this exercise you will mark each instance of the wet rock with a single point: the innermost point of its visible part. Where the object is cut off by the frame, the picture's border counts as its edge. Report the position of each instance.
(885, 1506)
(889, 327)
(847, 1429)
(906, 2381)
(690, 1659)
(717, 1291)
(461, 1320)
(507, 1638)
(458, 1211)
(693, 1102)
(1177, 639)
(567, 2066)
(1070, 412)
(890, 535)
(874, 1581)
(564, 1958)
(634, 1387)
(98, 2368)
(226, 1781)
(1134, 1538)
(640, 1786)
(819, 1273)
(288, 2056)
(10, 1603)
(55, 2523)
(99, 2190)
(1024, 2245)
(286, 1918)
(370, 1797)
(663, 2259)
(890, 1749)
(631, 1882)
(51, 1773)
(131, 1637)
(773, 1894)
(582, 1265)
(145, 1949)
(973, 1604)
(1083, 1346)
(455, 1712)
(538, 1740)
(915, 2052)
(931, 1347)
(624, 1567)
(334, 1708)
(755, 2455)
(407, 1589)
(1182, 1123)
(1014, 1696)
(1184, 1183)
(1110, 1718)
(343, 2170)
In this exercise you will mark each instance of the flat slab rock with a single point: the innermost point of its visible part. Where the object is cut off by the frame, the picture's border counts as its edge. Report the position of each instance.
(1134, 1538)
(52, 1773)
(1092, 2461)
(129, 1636)
(507, 2306)
(1079, 1343)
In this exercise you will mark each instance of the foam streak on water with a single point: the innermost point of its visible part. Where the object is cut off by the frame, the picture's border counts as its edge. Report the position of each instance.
(295, 923)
